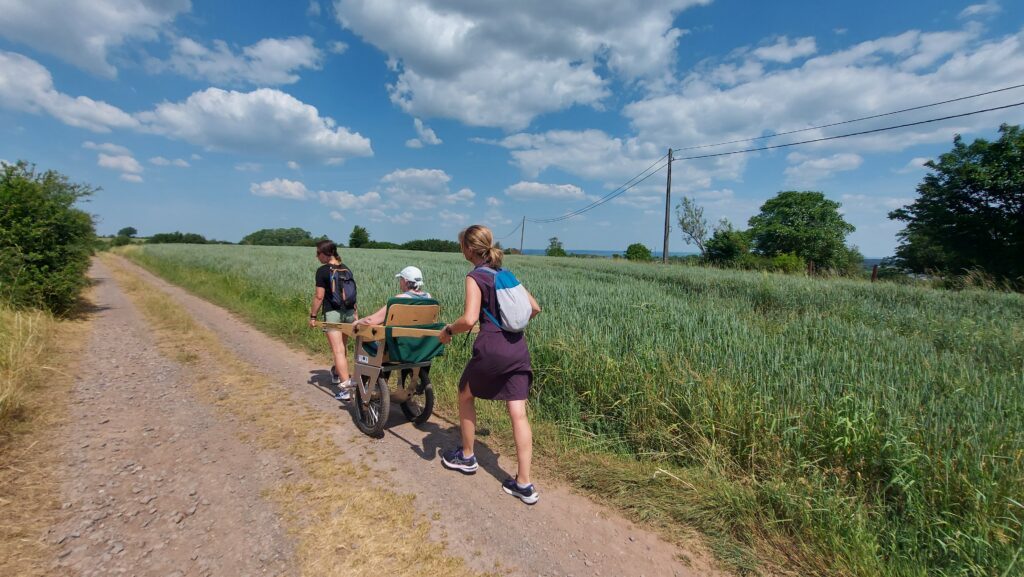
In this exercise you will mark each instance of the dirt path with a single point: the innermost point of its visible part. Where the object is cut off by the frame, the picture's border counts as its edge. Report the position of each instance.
(160, 483)
(157, 484)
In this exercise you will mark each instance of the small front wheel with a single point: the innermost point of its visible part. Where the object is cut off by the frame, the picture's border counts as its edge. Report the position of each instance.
(419, 407)
(373, 407)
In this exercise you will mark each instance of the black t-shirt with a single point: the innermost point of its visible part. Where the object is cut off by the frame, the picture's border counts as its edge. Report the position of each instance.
(323, 280)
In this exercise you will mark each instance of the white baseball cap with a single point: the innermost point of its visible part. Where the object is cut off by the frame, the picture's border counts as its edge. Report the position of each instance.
(411, 274)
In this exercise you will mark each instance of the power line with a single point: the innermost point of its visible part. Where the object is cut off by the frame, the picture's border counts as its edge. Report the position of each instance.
(511, 233)
(624, 188)
(606, 197)
(598, 203)
(852, 120)
(838, 136)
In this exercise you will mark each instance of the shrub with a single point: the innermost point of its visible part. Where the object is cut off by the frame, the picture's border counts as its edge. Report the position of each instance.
(45, 242)
(787, 263)
(638, 252)
(177, 238)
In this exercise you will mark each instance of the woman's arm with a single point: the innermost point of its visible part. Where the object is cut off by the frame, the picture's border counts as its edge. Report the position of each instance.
(470, 315)
(314, 309)
(533, 304)
(376, 318)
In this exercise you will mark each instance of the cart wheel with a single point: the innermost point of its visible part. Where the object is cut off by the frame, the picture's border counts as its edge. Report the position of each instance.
(419, 407)
(372, 413)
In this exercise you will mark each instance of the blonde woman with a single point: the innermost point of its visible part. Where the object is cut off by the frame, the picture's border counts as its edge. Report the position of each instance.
(499, 368)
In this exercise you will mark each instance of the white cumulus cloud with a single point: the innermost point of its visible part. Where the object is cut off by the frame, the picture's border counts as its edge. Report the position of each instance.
(84, 32)
(525, 189)
(161, 161)
(426, 136)
(265, 121)
(504, 63)
(123, 163)
(784, 50)
(280, 188)
(808, 171)
(110, 147)
(25, 85)
(988, 8)
(271, 61)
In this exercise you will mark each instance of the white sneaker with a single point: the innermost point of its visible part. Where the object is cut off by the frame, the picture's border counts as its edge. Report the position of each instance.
(343, 394)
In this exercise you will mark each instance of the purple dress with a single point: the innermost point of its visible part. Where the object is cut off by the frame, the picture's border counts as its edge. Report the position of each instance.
(500, 366)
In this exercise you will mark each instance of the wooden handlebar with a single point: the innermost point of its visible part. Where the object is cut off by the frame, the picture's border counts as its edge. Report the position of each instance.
(376, 332)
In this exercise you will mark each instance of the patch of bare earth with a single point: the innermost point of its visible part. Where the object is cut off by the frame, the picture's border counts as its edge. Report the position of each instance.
(276, 388)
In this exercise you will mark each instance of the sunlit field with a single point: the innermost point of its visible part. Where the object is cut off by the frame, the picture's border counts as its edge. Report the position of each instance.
(830, 426)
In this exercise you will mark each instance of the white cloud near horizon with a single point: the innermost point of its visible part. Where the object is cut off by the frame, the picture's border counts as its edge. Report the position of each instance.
(269, 62)
(85, 32)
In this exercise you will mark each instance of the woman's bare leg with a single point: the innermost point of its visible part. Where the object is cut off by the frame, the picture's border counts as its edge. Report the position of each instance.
(338, 343)
(524, 439)
(467, 420)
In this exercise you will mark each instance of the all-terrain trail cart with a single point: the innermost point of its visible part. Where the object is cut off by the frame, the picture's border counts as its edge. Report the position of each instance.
(404, 346)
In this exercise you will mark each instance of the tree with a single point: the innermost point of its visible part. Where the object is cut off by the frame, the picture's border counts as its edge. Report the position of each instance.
(280, 237)
(177, 237)
(638, 252)
(128, 231)
(692, 223)
(45, 242)
(432, 245)
(803, 223)
(969, 213)
(555, 247)
(727, 245)
(359, 237)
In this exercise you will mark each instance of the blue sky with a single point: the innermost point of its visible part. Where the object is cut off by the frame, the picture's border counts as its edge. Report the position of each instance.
(415, 118)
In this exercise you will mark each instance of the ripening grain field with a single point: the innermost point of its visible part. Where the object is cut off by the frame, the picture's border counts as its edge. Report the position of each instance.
(832, 427)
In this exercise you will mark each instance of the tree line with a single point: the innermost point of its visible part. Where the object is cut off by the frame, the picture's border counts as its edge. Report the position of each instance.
(967, 221)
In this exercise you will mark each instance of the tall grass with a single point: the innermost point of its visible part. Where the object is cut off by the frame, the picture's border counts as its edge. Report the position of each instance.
(25, 339)
(839, 426)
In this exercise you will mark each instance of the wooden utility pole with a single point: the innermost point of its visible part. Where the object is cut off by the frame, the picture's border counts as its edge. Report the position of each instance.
(522, 233)
(668, 207)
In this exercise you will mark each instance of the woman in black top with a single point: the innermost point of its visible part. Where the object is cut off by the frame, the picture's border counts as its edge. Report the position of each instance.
(327, 254)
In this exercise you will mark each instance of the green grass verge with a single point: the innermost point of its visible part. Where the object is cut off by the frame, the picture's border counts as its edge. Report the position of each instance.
(828, 427)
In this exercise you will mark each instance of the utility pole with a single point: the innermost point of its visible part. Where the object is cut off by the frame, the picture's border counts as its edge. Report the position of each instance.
(668, 207)
(522, 233)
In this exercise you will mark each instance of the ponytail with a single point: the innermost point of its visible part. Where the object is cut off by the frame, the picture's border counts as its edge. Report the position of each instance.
(478, 241)
(327, 248)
